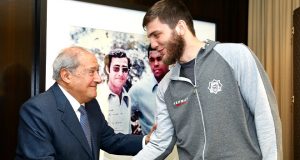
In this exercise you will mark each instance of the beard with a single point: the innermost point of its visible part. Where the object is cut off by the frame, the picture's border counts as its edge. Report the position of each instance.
(174, 48)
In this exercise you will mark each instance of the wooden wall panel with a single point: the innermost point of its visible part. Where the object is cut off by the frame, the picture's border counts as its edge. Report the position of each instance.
(17, 46)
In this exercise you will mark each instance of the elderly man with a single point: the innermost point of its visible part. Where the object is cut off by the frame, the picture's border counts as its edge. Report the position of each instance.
(66, 122)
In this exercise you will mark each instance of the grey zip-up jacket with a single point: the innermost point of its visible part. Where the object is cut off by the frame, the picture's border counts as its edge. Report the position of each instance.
(230, 113)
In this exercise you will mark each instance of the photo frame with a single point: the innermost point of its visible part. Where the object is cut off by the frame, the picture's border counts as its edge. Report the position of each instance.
(58, 18)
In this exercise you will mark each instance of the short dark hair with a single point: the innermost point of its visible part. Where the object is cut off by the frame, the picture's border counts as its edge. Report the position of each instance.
(149, 50)
(170, 12)
(115, 53)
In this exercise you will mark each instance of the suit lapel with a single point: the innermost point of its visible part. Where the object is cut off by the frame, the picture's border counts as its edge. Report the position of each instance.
(70, 119)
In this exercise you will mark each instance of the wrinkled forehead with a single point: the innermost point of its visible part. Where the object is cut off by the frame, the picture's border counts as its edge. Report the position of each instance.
(88, 60)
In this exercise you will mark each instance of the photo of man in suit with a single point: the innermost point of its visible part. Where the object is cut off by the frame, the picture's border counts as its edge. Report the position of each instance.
(52, 126)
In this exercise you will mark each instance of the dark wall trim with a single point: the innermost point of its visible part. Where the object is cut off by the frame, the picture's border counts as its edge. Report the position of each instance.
(119, 3)
(39, 57)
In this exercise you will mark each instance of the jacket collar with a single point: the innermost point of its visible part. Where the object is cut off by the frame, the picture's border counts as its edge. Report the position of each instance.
(175, 71)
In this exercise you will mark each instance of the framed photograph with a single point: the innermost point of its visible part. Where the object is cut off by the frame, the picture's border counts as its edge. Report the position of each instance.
(101, 26)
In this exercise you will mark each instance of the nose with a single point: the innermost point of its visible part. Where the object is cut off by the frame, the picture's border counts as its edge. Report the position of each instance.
(120, 73)
(156, 63)
(153, 43)
(97, 78)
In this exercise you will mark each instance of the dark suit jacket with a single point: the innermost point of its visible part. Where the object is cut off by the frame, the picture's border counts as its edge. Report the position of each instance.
(49, 129)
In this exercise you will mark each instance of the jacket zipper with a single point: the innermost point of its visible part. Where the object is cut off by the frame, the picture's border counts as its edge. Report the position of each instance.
(202, 117)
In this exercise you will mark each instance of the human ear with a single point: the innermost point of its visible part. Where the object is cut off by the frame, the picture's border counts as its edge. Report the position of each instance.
(107, 69)
(180, 27)
(177, 29)
(65, 75)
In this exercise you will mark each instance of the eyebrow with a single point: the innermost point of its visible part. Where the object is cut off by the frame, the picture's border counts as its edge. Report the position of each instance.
(117, 65)
(93, 67)
(155, 57)
(152, 33)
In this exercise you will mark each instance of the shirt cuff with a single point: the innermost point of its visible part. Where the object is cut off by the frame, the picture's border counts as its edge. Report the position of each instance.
(144, 141)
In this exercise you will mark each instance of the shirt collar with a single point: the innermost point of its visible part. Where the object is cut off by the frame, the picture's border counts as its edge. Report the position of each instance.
(154, 83)
(125, 96)
(74, 103)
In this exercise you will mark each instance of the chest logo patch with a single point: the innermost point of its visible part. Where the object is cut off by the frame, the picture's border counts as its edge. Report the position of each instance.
(181, 102)
(215, 86)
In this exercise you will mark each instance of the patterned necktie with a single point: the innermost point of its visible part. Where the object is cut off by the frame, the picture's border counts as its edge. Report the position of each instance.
(85, 124)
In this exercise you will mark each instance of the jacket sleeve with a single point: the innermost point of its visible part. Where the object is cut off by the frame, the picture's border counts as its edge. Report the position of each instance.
(258, 93)
(162, 139)
(34, 140)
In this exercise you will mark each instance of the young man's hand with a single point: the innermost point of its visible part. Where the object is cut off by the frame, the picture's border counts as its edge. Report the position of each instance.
(149, 134)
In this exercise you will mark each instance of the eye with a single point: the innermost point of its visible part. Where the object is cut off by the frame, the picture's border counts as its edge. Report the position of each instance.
(151, 59)
(125, 70)
(116, 69)
(91, 72)
(156, 35)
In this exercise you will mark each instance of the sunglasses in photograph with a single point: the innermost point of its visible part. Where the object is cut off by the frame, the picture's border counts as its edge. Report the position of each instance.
(118, 68)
